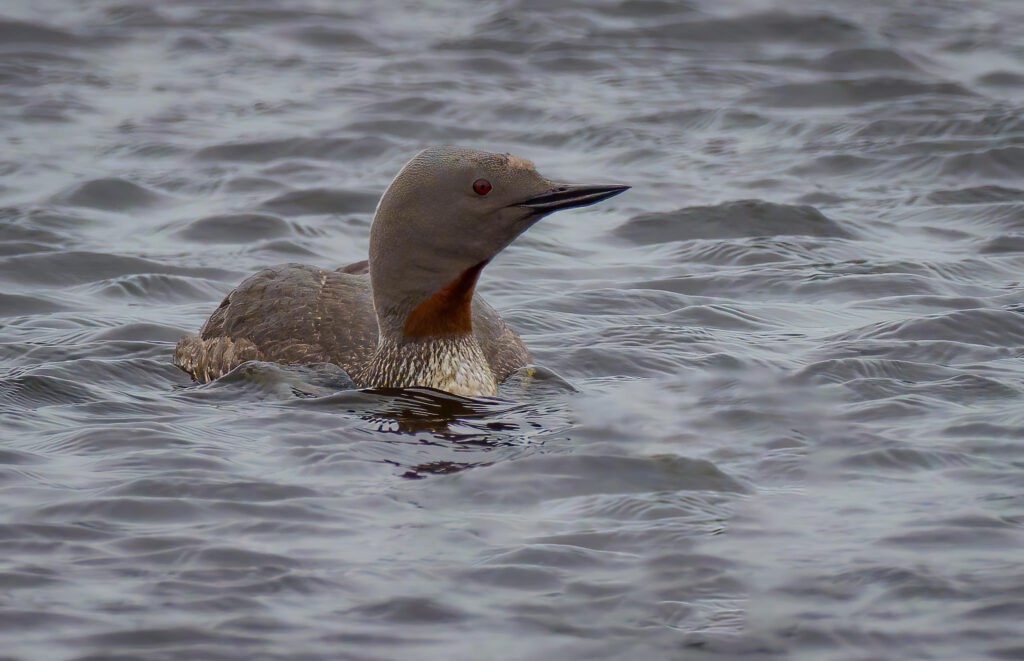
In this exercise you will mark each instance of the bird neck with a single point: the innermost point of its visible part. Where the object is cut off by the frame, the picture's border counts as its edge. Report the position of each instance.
(447, 311)
(430, 342)
(453, 363)
(420, 303)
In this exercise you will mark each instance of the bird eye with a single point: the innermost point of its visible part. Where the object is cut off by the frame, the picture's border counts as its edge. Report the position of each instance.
(481, 187)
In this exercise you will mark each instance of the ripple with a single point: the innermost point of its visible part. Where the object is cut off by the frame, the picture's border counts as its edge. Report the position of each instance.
(729, 220)
(846, 92)
(839, 164)
(139, 332)
(18, 458)
(239, 491)
(1003, 244)
(943, 536)
(320, 379)
(332, 149)
(235, 228)
(996, 328)
(155, 287)
(998, 162)
(14, 305)
(9, 231)
(124, 510)
(418, 128)
(512, 576)
(905, 459)
(128, 436)
(26, 619)
(848, 369)
(14, 580)
(977, 195)
(764, 26)
(866, 59)
(17, 32)
(250, 16)
(22, 247)
(32, 392)
(989, 123)
(321, 200)
(1001, 79)
(583, 474)
(552, 555)
(323, 36)
(64, 268)
(111, 194)
(409, 610)
(172, 639)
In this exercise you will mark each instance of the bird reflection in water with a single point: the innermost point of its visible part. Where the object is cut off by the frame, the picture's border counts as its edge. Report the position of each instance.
(516, 422)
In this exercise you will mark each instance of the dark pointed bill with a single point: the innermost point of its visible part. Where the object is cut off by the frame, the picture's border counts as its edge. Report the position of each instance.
(569, 196)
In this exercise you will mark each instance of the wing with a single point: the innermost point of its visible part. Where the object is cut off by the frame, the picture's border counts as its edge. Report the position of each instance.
(290, 313)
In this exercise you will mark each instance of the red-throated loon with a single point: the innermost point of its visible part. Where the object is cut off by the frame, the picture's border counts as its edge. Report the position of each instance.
(408, 316)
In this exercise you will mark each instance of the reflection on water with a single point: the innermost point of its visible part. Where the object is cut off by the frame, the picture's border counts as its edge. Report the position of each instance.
(788, 418)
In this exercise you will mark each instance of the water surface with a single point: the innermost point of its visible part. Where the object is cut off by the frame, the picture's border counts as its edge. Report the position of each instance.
(796, 422)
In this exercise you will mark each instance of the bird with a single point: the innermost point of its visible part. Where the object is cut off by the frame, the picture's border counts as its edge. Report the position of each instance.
(408, 316)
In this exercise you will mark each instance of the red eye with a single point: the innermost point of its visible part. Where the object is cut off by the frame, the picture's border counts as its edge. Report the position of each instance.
(482, 186)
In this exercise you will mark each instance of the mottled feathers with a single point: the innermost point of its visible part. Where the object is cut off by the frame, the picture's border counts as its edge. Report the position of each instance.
(296, 313)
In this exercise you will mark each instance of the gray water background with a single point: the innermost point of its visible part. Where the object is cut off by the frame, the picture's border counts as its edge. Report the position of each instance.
(798, 431)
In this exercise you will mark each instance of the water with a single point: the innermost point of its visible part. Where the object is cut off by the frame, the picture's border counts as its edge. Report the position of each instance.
(795, 425)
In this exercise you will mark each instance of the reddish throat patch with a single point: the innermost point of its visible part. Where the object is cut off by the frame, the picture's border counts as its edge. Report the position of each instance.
(448, 312)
